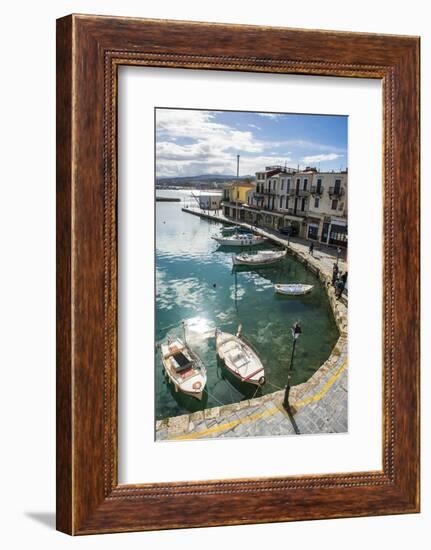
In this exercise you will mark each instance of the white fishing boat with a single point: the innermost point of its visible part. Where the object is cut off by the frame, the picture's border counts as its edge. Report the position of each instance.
(240, 239)
(183, 368)
(262, 258)
(239, 357)
(296, 289)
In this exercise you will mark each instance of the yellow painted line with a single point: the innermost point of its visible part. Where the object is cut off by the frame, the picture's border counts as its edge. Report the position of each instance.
(229, 425)
(267, 412)
(325, 388)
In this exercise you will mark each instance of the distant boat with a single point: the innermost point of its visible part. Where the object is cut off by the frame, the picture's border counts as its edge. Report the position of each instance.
(296, 289)
(167, 199)
(262, 258)
(240, 358)
(183, 368)
(247, 239)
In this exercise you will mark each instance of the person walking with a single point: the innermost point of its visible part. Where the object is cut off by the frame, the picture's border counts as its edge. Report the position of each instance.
(311, 249)
(339, 287)
(334, 274)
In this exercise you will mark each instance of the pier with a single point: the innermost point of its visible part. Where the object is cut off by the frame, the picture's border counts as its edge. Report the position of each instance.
(319, 405)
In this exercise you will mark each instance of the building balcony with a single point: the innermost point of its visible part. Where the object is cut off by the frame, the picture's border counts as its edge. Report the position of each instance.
(315, 190)
(232, 204)
(299, 193)
(336, 191)
(291, 212)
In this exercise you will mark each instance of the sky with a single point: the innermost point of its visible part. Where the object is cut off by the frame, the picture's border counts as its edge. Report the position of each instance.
(195, 142)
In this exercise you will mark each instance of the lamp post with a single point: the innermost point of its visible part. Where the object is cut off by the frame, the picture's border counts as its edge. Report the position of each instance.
(296, 331)
(338, 253)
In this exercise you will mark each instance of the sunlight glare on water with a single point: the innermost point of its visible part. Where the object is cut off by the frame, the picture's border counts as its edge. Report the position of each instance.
(195, 283)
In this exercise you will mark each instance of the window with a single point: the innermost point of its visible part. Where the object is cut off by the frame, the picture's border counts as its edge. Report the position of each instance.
(334, 204)
(303, 204)
(341, 206)
(288, 184)
(287, 203)
(281, 200)
(316, 202)
(282, 184)
(319, 185)
(305, 184)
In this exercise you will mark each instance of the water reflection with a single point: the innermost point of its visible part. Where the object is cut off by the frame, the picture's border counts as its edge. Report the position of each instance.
(195, 281)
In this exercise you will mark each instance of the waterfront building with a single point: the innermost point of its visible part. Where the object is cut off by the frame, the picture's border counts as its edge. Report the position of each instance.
(234, 197)
(311, 203)
(327, 212)
(210, 201)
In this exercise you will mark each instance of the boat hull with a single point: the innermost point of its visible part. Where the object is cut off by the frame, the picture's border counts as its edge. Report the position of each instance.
(293, 290)
(196, 380)
(230, 241)
(240, 359)
(259, 261)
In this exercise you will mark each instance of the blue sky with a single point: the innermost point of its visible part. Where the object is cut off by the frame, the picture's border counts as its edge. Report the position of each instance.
(192, 142)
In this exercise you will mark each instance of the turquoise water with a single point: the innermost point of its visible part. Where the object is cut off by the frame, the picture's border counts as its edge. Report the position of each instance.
(195, 282)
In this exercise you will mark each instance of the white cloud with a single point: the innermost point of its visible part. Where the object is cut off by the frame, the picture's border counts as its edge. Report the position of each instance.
(320, 158)
(207, 146)
(269, 115)
(190, 142)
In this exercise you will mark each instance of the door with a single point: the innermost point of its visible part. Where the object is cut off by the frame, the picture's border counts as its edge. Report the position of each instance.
(325, 231)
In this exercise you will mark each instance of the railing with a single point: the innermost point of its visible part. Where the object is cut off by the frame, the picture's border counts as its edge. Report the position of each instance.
(299, 193)
(316, 189)
(336, 191)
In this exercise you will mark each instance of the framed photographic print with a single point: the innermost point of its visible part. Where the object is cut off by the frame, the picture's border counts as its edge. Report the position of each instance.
(237, 274)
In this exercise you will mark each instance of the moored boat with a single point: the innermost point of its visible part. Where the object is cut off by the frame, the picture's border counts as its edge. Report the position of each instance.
(295, 289)
(183, 367)
(241, 239)
(239, 357)
(262, 258)
(234, 229)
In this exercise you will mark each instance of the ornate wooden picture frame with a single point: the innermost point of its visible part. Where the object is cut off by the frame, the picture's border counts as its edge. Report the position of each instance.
(89, 51)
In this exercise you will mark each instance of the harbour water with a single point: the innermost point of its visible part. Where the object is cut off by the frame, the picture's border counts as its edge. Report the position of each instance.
(195, 283)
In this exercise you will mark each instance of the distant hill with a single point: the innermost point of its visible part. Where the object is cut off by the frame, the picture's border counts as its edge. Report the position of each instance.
(208, 180)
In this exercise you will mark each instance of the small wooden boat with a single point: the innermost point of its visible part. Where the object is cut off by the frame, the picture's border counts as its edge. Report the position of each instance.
(265, 257)
(296, 289)
(183, 368)
(239, 357)
(246, 239)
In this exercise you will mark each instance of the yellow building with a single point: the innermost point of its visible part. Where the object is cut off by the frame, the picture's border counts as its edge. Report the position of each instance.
(234, 195)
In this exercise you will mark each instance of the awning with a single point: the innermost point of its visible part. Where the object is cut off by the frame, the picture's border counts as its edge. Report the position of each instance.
(271, 213)
(342, 223)
(293, 218)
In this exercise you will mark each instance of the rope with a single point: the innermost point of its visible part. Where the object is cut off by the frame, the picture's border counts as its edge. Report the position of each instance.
(274, 386)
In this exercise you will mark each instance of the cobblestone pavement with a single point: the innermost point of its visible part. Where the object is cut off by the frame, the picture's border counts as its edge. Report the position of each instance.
(318, 406)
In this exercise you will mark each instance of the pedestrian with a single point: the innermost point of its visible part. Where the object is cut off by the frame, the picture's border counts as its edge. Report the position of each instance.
(311, 248)
(339, 287)
(334, 274)
(344, 277)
